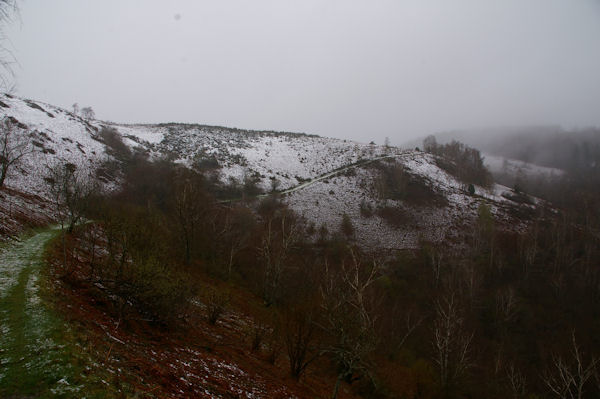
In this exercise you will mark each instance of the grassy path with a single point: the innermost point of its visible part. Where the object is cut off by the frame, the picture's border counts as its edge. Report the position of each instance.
(33, 359)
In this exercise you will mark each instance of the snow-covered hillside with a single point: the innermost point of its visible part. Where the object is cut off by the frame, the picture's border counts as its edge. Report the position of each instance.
(287, 157)
(56, 135)
(274, 159)
(290, 158)
(327, 201)
(514, 167)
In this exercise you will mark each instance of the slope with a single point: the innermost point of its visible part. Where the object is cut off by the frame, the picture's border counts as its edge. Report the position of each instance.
(341, 180)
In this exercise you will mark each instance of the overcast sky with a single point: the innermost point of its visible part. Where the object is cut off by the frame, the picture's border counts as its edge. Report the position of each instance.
(361, 70)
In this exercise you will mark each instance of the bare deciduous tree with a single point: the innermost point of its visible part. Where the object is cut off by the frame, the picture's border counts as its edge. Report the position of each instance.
(7, 9)
(91, 245)
(190, 208)
(349, 316)
(15, 144)
(237, 231)
(298, 335)
(506, 304)
(567, 379)
(436, 261)
(88, 113)
(282, 232)
(71, 190)
(516, 381)
(451, 342)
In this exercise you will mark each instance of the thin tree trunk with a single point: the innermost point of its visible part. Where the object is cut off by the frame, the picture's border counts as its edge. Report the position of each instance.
(337, 387)
(2, 177)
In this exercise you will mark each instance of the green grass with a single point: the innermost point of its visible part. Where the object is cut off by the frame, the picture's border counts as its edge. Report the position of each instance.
(39, 354)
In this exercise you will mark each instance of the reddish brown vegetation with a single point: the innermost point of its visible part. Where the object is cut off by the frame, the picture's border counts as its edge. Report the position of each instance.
(192, 358)
(19, 211)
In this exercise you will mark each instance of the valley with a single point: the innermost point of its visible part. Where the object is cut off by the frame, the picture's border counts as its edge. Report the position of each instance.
(203, 261)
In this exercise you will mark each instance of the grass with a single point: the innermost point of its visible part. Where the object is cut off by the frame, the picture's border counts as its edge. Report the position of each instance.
(38, 354)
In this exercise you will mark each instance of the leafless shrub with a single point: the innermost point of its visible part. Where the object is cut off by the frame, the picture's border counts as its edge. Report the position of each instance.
(216, 304)
(298, 328)
(516, 381)
(258, 333)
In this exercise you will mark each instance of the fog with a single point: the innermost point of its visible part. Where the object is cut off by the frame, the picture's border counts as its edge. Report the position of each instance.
(361, 70)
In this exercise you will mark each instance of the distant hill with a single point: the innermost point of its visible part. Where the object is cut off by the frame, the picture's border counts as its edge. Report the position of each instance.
(321, 178)
(549, 146)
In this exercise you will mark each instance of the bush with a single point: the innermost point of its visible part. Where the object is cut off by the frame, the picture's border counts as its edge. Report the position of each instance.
(206, 163)
(461, 161)
(114, 141)
(155, 290)
(258, 334)
(346, 227)
(216, 303)
(366, 210)
(518, 197)
(397, 184)
(394, 216)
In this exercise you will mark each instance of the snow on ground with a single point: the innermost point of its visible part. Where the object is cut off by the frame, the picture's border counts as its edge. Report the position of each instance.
(326, 201)
(56, 135)
(286, 157)
(498, 164)
(285, 160)
(141, 132)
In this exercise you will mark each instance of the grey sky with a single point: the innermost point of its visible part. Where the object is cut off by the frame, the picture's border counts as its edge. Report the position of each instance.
(361, 70)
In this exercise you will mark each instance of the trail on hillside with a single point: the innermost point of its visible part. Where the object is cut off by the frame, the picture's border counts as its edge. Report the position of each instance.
(317, 179)
(33, 359)
(335, 172)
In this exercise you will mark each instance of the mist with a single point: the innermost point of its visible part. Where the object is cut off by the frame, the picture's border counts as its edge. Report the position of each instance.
(348, 69)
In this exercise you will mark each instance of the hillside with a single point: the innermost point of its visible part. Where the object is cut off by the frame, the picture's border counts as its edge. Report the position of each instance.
(276, 161)
(220, 262)
(551, 147)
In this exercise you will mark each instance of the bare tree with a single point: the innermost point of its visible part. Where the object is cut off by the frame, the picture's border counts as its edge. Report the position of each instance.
(347, 303)
(88, 113)
(190, 208)
(430, 144)
(437, 263)
(71, 190)
(451, 342)
(7, 9)
(402, 322)
(298, 335)
(386, 145)
(281, 233)
(507, 304)
(516, 381)
(15, 144)
(238, 226)
(76, 109)
(91, 245)
(567, 379)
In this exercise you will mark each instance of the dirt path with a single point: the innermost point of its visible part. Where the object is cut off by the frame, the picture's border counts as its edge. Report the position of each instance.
(317, 179)
(33, 360)
(335, 172)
